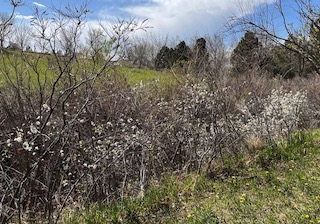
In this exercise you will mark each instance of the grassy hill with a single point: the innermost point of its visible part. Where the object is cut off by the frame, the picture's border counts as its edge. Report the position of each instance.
(143, 75)
(34, 68)
(285, 191)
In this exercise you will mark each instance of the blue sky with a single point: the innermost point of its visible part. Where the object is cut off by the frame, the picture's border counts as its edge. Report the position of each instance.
(183, 18)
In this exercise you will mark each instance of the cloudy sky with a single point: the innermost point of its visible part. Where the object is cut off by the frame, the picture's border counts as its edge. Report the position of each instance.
(183, 18)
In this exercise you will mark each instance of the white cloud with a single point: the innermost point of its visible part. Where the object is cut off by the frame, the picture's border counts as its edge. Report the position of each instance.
(19, 16)
(188, 18)
(38, 4)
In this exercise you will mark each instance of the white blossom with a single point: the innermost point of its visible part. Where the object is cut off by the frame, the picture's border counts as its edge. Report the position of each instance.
(26, 146)
(33, 129)
(19, 137)
(46, 107)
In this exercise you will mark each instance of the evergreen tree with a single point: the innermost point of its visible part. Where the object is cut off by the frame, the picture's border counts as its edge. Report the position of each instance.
(200, 55)
(286, 60)
(165, 58)
(182, 52)
(314, 43)
(281, 62)
(289, 63)
(246, 55)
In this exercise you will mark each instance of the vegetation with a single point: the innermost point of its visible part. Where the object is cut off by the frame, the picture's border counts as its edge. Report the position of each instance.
(81, 124)
(247, 53)
(167, 57)
(301, 39)
(182, 56)
(286, 191)
(145, 76)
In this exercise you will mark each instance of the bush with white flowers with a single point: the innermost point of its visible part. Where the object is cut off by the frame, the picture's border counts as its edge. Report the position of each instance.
(281, 113)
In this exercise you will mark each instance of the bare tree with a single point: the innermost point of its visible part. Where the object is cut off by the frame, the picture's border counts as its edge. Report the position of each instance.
(218, 55)
(47, 97)
(22, 36)
(6, 21)
(95, 43)
(300, 35)
(142, 50)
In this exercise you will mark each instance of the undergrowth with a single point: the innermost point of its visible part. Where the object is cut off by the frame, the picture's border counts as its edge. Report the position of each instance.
(279, 186)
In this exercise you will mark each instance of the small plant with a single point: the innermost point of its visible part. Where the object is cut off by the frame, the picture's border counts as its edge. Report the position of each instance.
(300, 144)
(202, 215)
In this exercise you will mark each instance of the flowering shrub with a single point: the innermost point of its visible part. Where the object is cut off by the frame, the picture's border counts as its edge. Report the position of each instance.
(108, 143)
(108, 140)
(279, 114)
(194, 127)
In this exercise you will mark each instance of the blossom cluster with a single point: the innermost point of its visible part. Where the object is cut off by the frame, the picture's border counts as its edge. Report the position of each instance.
(124, 137)
(280, 114)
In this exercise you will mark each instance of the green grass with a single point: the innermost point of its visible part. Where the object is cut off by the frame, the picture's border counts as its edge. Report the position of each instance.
(285, 191)
(29, 68)
(136, 76)
(163, 84)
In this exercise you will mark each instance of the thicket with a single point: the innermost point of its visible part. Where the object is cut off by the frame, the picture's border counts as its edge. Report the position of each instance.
(73, 134)
(109, 140)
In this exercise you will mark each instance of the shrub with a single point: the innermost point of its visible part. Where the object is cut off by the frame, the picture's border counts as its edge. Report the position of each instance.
(93, 138)
(277, 115)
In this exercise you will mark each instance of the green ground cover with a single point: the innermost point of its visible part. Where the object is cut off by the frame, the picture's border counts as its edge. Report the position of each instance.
(136, 76)
(31, 68)
(285, 191)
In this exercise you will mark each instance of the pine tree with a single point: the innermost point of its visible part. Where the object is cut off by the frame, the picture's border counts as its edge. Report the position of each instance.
(182, 52)
(247, 53)
(165, 58)
(200, 55)
(314, 43)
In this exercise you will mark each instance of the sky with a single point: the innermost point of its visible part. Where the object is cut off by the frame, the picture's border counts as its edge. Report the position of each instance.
(183, 18)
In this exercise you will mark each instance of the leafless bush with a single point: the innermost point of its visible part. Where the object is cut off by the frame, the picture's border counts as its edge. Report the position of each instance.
(70, 133)
(194, 127)
(107, 141)
(45, 96)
